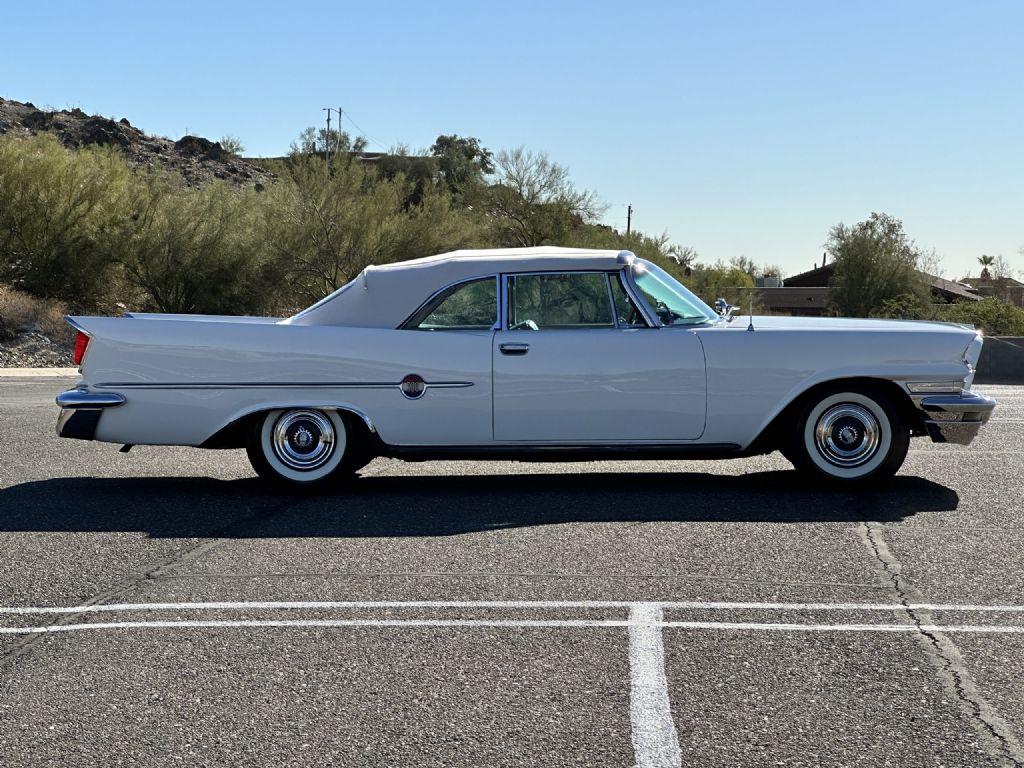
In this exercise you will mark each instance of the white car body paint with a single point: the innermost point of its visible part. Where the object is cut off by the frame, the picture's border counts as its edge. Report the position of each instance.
(184, 378)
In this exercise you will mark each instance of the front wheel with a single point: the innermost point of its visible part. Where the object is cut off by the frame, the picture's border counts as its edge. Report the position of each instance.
(853, 437)
(301, 448)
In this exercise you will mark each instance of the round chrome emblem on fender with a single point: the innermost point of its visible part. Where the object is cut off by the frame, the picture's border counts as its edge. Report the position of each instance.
(413, 386)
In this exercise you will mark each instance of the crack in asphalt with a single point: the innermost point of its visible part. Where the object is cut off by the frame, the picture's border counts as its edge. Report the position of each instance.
(158, 571)
(998, 737)
(165, 569)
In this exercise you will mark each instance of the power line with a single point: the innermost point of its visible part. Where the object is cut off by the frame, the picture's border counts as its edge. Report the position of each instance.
(363, 133)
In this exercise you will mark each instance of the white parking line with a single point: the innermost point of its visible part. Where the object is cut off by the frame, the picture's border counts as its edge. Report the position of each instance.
(654, 737)
(503, 604)
(509, 623)
(655, 741)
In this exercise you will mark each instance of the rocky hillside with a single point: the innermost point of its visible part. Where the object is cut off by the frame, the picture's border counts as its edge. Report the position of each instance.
(197, 159)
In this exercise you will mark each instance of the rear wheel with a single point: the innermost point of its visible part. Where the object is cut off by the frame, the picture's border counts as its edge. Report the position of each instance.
(852, 437)
(303, 448)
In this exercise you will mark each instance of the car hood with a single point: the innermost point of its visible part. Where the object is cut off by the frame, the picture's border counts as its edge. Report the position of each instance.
(769, 322)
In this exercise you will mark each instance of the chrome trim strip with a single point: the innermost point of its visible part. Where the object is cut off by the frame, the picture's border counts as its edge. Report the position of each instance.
(933, 387)
(362, 415)
(503, 307)
(278, 385)
(82, 399)
(967, 403)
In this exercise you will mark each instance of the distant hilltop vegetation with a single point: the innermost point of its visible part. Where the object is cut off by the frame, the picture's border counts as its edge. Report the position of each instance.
(198, 160)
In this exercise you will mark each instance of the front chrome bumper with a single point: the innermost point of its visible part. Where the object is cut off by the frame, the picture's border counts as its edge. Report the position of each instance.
(956, 418)
(80, 411)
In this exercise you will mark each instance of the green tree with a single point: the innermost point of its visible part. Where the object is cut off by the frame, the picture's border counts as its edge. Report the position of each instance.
(314, 141)
(986, 262)
(875, 262)
(462, 162)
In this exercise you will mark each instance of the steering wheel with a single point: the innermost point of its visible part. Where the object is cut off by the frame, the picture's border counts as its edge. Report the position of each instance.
(523, 325)
(632, 317)
(666, 315)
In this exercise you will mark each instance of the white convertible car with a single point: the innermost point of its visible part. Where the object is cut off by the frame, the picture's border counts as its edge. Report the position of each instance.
(528, 354)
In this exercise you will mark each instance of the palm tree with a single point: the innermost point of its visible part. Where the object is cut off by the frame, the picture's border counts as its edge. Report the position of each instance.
(986, 262)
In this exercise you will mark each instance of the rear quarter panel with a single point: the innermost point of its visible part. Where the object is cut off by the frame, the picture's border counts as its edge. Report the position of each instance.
(183, 381)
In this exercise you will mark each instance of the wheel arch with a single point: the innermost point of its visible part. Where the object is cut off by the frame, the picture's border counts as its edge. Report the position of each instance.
(235, 433)
(771, 437)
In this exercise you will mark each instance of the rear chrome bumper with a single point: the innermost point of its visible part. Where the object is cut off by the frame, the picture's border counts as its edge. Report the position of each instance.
(80, 411)
(956, 418)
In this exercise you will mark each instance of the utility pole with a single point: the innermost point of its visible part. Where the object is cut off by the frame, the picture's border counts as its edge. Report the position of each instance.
(339, 131)
(629, 218)
(327, 139)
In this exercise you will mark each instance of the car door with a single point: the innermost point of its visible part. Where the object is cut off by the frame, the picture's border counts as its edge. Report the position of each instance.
(573, 362)
(442, 356)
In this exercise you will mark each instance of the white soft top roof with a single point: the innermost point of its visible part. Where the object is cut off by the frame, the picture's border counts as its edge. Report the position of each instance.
(383, 297)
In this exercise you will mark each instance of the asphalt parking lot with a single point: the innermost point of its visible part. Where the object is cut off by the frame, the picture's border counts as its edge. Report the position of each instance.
(472, 614)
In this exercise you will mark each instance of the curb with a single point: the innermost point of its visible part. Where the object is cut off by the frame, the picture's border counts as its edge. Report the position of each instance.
(37, 373)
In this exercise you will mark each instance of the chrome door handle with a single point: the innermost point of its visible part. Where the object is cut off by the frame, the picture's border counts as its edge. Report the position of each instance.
(514, 349)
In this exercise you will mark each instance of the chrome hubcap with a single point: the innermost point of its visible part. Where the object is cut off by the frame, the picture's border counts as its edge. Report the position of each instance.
(303, 440)
(847, 435)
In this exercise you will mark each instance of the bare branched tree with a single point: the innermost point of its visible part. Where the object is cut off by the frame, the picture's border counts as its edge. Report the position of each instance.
(533, 201)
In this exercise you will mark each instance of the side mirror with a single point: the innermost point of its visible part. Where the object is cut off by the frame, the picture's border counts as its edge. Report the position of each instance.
(724, 308)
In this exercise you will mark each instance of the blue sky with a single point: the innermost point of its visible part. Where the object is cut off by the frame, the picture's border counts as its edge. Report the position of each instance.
(737, 127)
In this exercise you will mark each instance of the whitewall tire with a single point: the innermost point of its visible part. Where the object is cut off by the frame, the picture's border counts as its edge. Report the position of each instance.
(849, 437)
(299, 447)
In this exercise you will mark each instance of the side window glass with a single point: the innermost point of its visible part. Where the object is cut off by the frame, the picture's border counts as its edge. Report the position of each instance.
(471, 306)
(574, 300)
(626, 311)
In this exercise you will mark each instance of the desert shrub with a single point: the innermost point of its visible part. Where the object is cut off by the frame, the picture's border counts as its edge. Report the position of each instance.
(232, 145)
(323, 230)
(20, 312)
(994, 317)
(194, 250)
(720, 280)
(57, 210)
(906, 306)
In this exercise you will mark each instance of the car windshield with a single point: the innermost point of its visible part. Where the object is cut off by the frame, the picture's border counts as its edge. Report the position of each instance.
(670, 300)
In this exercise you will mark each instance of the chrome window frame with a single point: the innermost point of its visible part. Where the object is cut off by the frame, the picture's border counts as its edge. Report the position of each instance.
(621, 273)
(404, 325)
(651, 316)
(626, 279)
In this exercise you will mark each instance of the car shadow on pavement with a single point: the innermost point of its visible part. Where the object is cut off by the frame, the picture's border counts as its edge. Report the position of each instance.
(394, 506)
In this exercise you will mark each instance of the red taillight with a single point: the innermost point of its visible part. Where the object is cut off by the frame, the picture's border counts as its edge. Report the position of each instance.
(81, 342)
